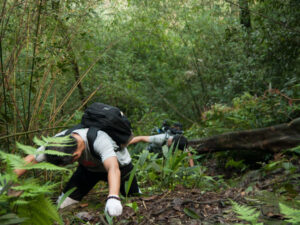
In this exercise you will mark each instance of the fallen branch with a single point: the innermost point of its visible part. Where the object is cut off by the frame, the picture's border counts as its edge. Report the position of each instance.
(273, 139)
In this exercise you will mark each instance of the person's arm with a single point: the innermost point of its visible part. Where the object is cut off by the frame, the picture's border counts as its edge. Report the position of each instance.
(191, 161)
(113, 204)
(113, 175)
(139, 139)
(28, 159)
(190, 157)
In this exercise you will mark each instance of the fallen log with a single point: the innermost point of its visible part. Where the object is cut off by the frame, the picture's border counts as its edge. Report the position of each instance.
(272, 139)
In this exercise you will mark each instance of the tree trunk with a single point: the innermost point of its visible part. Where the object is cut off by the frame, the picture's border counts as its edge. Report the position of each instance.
(245, 13)
(272, 139)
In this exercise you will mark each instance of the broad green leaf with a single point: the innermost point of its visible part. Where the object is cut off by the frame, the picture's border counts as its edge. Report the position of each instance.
(109, 218)
(191, 213)
(133, 205)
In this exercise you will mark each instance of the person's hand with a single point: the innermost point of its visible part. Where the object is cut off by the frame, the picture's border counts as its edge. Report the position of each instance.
(113, 205)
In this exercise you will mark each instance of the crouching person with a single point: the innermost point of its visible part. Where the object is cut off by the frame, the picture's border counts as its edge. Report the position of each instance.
(110, 165)
(157, 141)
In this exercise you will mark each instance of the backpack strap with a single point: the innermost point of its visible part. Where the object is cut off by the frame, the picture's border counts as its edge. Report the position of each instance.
(91, 137)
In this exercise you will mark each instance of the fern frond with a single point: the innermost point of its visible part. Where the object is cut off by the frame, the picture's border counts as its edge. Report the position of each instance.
(43, 166)
(58, 141)
(19, 202)
(293, 215)
(7, 178)
(12, 160)
(54, 141)
(39, 142)
(32, 188)
(53, 152)
(245, 212)
(27, 149)
(10, 219)
(18, 162)
(40, 211)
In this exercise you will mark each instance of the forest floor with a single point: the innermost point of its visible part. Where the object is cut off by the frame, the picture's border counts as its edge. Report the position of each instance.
(193, 206)
(178, 206)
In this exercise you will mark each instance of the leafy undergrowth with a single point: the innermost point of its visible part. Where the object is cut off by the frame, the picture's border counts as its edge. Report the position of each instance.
(269, 195)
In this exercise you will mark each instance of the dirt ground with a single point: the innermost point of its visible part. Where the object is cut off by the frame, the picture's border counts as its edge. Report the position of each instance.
(194, 206)
(179, 206)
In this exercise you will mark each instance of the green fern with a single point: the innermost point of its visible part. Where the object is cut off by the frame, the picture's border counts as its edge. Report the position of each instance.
(30, 206)
(39, 211)
(31, 188)
(17, 162)
(10, 219)
(43, 166)
(29, 150)
(39, 142)
(54, 141)
(293, 215)
(12, 160)
(246, 213)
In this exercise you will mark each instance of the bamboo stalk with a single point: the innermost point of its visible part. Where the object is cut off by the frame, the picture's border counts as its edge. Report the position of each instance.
(33, 63)
(39, 96)
(68, 95)
(11, 62)
(80, 107)
(32, 131)
(3, 75)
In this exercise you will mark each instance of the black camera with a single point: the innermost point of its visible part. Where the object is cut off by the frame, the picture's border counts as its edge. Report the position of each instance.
(176, 128)
(165, 126)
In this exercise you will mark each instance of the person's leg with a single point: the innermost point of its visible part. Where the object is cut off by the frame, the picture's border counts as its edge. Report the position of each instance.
(83, 180)
(125, 174)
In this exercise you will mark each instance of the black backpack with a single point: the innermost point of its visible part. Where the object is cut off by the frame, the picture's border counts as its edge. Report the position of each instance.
(110, 119)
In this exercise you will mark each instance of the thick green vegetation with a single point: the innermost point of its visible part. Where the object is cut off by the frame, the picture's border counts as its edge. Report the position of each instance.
(215, 66)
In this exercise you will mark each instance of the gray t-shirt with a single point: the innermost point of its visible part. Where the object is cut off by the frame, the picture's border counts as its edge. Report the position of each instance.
(159, 139)
(156, 142)
(104, 145)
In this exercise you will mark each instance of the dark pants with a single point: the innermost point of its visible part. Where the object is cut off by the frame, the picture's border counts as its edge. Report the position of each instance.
(85, 180)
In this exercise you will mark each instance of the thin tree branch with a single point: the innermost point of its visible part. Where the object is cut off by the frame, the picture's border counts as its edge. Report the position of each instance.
(32, 131)
(79, 81)
(33, 61)
(82, 105)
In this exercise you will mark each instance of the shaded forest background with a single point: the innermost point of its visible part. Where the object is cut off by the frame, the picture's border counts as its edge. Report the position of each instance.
(155, 60)
(215, 66)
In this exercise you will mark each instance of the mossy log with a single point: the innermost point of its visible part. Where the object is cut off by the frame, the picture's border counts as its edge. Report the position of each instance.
(273, 139)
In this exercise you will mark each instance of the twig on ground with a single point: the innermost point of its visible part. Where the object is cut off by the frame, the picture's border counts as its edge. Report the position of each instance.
(103, 220)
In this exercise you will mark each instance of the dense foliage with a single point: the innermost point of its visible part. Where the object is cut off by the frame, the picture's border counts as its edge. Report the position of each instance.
(215, 66)
(148, 58)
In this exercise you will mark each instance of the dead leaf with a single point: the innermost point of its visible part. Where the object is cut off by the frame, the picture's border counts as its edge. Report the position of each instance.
(84, 205)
